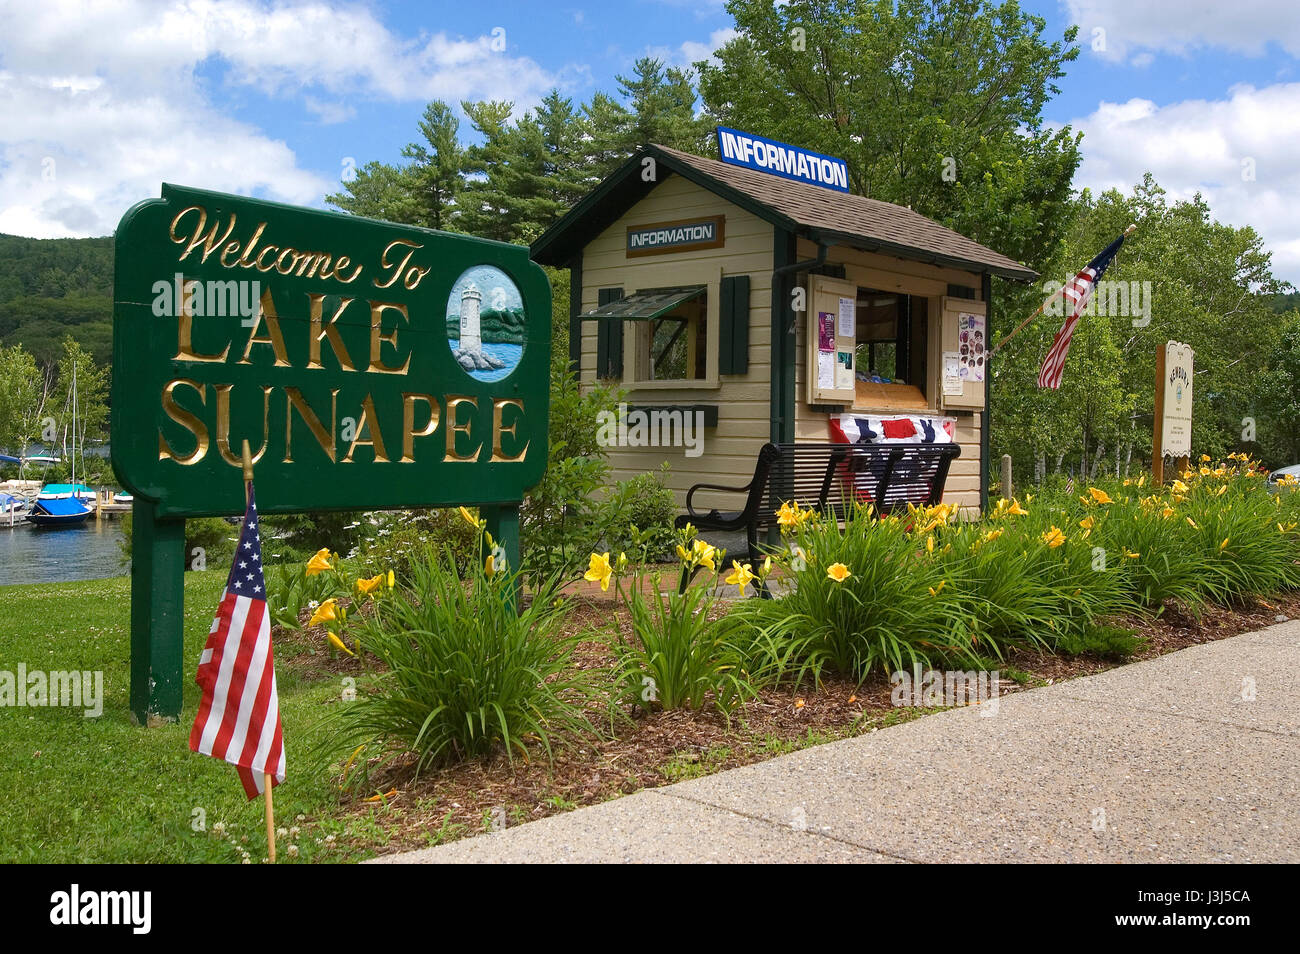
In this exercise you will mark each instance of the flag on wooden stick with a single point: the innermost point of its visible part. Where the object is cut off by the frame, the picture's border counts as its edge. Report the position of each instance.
(1076, 292)
(239, 714)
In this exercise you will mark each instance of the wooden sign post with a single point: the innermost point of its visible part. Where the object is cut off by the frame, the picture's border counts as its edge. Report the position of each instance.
(369, 365)
(1172, 425)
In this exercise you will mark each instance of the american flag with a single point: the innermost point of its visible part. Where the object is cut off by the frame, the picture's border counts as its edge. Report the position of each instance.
(1077, 292)
(239, 714)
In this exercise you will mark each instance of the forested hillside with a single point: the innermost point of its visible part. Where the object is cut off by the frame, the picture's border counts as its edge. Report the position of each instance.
(50, 288)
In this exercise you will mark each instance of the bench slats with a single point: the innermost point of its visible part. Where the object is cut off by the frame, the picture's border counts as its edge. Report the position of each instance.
(830, 478)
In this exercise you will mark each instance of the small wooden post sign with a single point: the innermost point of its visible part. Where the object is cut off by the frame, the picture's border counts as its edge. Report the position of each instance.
(1172, 436)
(369, 365)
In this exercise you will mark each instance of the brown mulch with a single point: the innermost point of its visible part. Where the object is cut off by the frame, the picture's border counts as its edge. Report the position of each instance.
(660, 747)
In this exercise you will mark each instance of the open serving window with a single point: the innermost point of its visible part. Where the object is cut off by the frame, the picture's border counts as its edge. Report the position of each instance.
(867, 348)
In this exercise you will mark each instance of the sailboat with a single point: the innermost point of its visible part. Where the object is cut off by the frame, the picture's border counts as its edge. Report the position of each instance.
(64, 505)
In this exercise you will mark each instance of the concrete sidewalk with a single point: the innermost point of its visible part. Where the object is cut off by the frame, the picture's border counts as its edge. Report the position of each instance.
(1159, 761)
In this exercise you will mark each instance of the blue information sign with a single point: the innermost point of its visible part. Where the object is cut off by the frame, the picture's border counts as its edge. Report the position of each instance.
(791, 162)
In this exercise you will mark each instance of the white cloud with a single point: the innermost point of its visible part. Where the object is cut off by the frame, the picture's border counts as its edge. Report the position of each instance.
(1180, 26)
(694, 52)
(1208, 146)
(100, 102)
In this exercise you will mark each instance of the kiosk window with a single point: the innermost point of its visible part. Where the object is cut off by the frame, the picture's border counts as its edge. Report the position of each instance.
(891, 338)
(674, 346)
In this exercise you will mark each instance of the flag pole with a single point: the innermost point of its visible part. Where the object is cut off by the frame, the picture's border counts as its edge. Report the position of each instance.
(1020, 327)
(266, 777)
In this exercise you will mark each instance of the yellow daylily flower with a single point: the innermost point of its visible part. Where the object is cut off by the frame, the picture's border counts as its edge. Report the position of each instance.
(338, 644)
(1054, 537)
(327, 612)
(838, 572)
(682, 554)
(320, 562)
(1205, 471)
(992, 534)
(1142, 480)
(1178, 487)
(1130, 554)
(468, 517)
(1221, 491)
(1099, 495)
(1017, 510)
(1087, 522)
(741, 575)
(369, 586)
(703, 553)
(1205, 458)
(788, 516)
(929, 544)
(490, 567)
(599, 571)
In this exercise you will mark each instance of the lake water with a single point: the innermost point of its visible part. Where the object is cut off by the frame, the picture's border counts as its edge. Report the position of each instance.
(87, 552)
(507, 353)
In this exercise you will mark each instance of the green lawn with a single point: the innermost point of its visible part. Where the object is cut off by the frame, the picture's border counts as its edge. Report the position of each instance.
(103, 790)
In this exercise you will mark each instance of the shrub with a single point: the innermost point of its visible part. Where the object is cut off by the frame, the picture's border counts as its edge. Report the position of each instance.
(637, 517)
(465, 675)
(214, 535)
(404, 537)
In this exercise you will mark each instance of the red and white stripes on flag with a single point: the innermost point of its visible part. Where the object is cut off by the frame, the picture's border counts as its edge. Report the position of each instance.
(239, 714)
(1076, 292)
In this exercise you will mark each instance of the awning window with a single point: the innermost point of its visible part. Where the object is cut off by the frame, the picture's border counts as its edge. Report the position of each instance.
(645, 305)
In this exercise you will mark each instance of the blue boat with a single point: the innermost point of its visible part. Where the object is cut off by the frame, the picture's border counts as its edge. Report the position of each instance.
(58, 512)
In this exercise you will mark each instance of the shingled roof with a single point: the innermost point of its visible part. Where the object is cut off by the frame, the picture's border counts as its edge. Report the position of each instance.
(812, 211)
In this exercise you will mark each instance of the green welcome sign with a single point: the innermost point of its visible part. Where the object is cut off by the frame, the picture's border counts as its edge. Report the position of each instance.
(368, 366)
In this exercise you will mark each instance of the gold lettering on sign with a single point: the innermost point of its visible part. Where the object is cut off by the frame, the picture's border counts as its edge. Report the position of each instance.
(187, 420)
(197, 238)
(412, 277)
(319, 333)
(453, 402)
(185, 331)
(498, 406)
(409, 433)
(266, 310)
(223, 424)
(339, 266)
(377, 337)
(370, 423)
(323, 437)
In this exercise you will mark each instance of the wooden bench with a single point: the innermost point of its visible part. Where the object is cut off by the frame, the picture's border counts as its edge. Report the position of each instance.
(828, 478)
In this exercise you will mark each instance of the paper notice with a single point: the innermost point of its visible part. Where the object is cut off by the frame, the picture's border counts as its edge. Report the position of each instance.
(848, 318)
(826, 369)
(952, 373)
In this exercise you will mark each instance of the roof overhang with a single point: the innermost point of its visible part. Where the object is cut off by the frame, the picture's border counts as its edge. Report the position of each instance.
(626, 185)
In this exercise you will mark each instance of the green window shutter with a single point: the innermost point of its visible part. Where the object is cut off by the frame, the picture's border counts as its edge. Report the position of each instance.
(609, 338)
(733, 314)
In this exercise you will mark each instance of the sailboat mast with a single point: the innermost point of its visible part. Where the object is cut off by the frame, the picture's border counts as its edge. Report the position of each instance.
(74, 430)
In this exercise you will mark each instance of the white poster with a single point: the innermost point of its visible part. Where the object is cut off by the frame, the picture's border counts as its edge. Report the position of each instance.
(971, 341)
(1177, 426)
(848, 318)
(952, 382)
(826, 369)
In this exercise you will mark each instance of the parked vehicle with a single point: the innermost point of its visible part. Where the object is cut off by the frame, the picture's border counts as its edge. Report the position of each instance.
(1276, 477)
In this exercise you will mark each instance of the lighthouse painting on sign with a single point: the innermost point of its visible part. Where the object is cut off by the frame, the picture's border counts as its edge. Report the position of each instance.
(486, 325)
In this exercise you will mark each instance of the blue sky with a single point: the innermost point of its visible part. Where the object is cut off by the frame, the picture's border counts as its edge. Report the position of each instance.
(100, 102)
